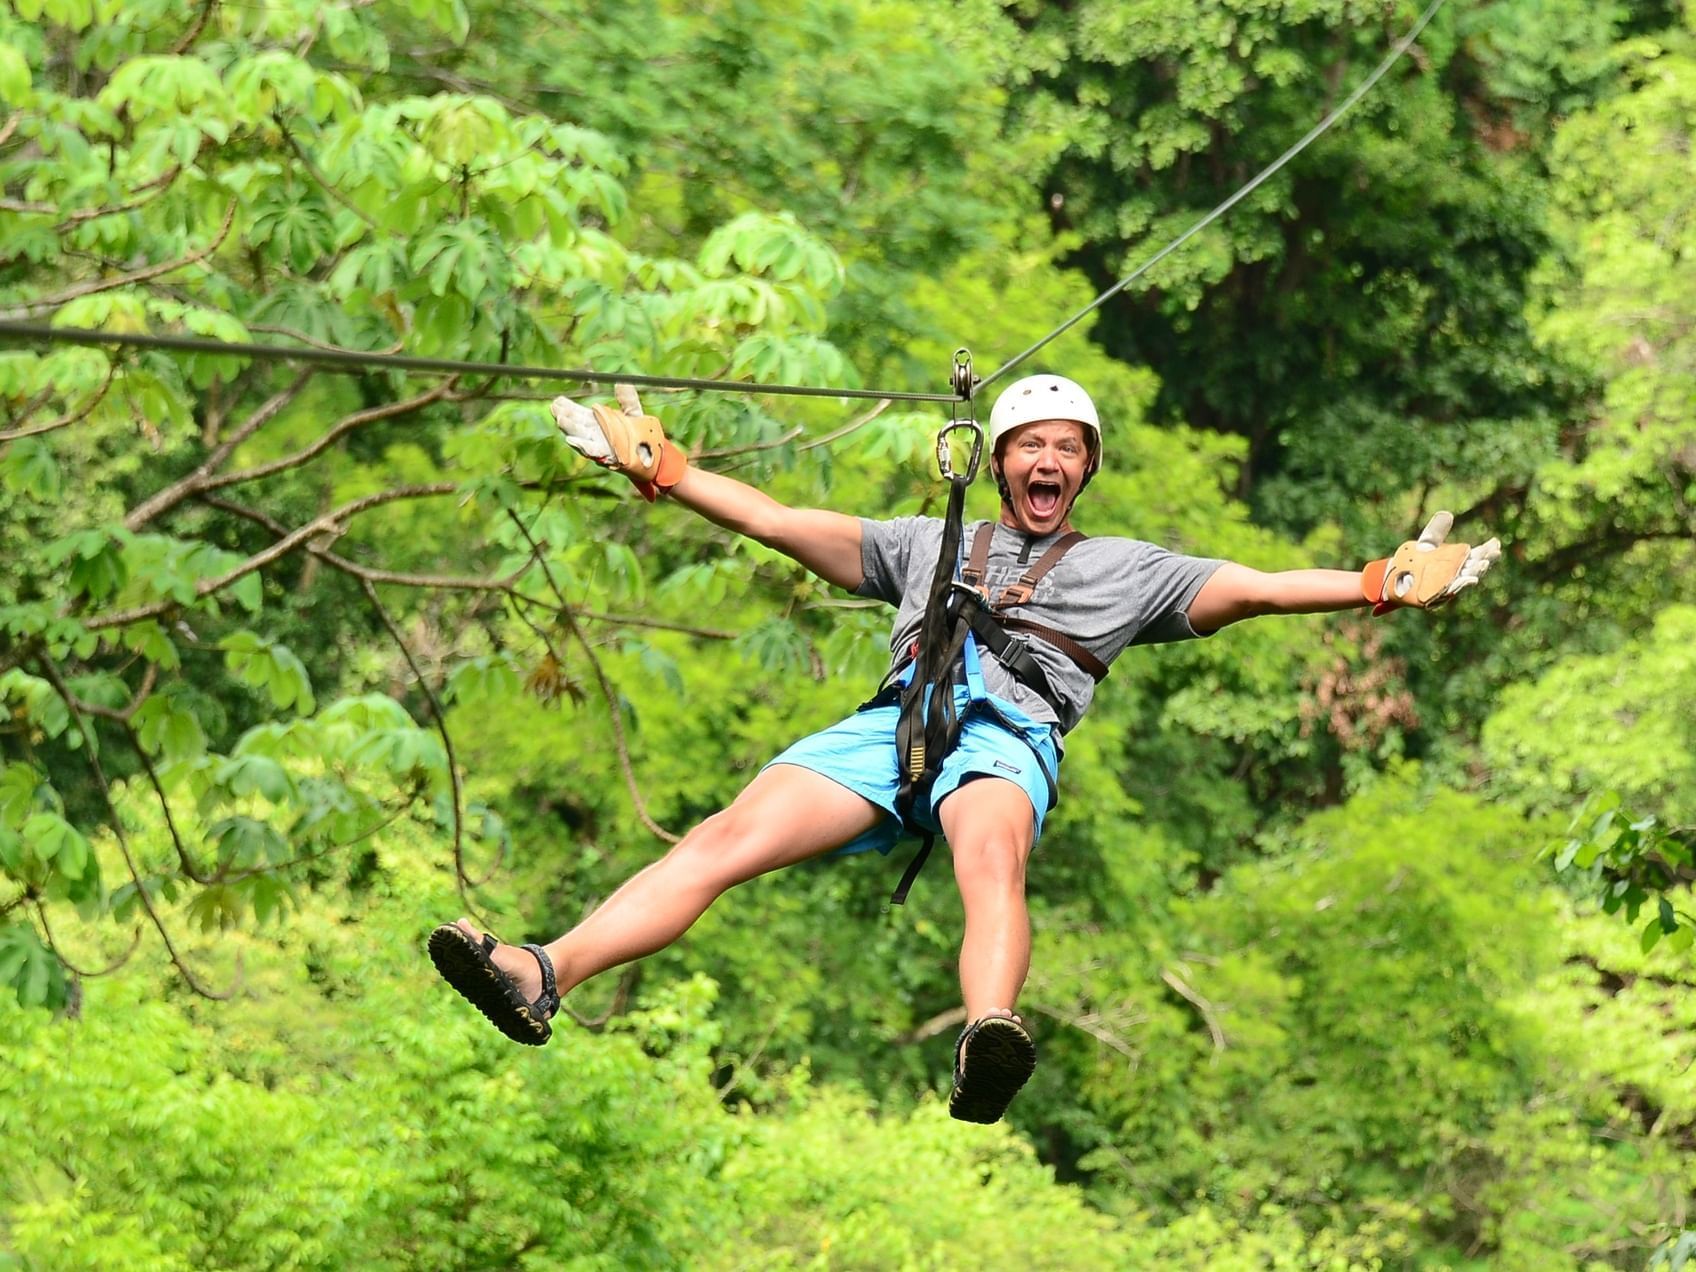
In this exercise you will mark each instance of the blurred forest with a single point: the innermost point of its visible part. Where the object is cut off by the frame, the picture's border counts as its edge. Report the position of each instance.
(1359, 943)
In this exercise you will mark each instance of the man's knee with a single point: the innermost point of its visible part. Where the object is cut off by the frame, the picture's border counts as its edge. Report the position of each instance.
(993, 859)
(710, 850)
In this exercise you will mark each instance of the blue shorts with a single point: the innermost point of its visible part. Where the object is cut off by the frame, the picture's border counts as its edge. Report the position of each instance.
(996, 740)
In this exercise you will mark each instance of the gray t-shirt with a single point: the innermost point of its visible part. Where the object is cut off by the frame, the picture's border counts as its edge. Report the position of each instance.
(1107, 594)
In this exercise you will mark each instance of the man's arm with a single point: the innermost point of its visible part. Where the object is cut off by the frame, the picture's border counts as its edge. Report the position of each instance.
(1424, 573)
(827, 543)
(1236, 592)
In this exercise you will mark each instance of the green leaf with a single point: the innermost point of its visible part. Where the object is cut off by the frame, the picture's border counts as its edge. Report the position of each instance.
(271, 666)
(244, 843)
(481, 680)
(216, 908)
(150, 641)
(27, 468)
(244, 775)
(1651, 934)
(29, 969)
(18, 786)
(14, 77)
(168, 728)
(51, 838)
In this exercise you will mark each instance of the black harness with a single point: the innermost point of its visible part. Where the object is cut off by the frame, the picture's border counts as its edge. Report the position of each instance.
(928, 727)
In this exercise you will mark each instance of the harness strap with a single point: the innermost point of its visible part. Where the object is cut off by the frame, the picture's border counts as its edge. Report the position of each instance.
(972, 573)
(984, 622)
(1065, 644)
(1022, 591)
(899, 896)
(1012, 652)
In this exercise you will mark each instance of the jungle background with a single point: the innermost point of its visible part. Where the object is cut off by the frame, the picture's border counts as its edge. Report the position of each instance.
(1360, 943)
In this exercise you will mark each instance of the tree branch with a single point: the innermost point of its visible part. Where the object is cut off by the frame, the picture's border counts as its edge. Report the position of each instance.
(324, 183)
(193, 33)
(70, 418)
(1559, 563)
(620, 999)
(852, 426)
(124, 280)
(330, 521)
(451, 582)
(114, 965)
(51, 670)
(347, 425)
(175, 493)
(1200, 1004)
(607, 692)
(294, 334)
(461, 879)
(752, 447)
(149, 190)
(953, 1018)
(183, 858)
(660, 624)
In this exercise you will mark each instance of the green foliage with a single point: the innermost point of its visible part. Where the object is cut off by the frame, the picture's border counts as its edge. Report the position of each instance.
(1359, 319)
(1296, 1008)
(1626, 863)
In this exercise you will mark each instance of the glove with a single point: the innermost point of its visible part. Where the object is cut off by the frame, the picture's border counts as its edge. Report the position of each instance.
(1425, 572)
(624, 439)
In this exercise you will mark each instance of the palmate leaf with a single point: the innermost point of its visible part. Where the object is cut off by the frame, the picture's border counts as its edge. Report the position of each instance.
(463, 257)
(168, 728)
(240, 776)
(482, 680)
(43, 707)
(19, 784)
(244, 843)
(271, 666)
(98, 568)
(297, 233)
(166, 85)
(27, 468)
(28, 968)
(776, 644)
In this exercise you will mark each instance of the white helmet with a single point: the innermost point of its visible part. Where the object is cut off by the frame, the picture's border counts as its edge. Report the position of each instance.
(1044, 397)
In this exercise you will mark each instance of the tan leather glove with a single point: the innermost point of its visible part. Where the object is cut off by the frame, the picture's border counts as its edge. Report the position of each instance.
(623, 438)
(1427, 572)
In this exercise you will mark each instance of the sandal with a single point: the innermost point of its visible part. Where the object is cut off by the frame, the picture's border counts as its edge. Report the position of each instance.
(1001, 1059)
(465, 963)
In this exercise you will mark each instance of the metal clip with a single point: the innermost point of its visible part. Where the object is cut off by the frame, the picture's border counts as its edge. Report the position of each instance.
(944, 461)
(963, 594)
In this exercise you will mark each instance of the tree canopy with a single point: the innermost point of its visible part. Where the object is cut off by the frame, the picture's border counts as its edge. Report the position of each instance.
(1360, 943)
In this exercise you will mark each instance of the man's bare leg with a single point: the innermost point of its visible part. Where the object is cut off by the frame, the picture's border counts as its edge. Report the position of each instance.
(785, 815)
(989, 826)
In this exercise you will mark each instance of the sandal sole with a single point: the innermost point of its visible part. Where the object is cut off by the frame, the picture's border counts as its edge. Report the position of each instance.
(1000, 1059)
(468, 970)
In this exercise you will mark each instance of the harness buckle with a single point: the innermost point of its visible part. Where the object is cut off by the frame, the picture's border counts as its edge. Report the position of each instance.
(960, 595)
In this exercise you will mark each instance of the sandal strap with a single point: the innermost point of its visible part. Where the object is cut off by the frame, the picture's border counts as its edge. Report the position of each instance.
(547, 1002)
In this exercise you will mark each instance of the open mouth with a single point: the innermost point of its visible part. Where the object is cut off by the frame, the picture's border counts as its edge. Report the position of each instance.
(1044, 498)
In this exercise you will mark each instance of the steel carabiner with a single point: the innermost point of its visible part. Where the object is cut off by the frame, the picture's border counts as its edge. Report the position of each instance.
(944, 456)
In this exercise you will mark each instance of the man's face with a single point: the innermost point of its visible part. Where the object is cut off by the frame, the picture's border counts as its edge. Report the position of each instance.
(1044, 466)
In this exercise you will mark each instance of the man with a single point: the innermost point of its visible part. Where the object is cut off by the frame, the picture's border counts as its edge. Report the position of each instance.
(1075, 605)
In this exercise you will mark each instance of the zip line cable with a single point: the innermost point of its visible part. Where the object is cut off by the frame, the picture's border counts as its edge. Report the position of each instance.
(1396, 51)
(406, 362)
(352, 358)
